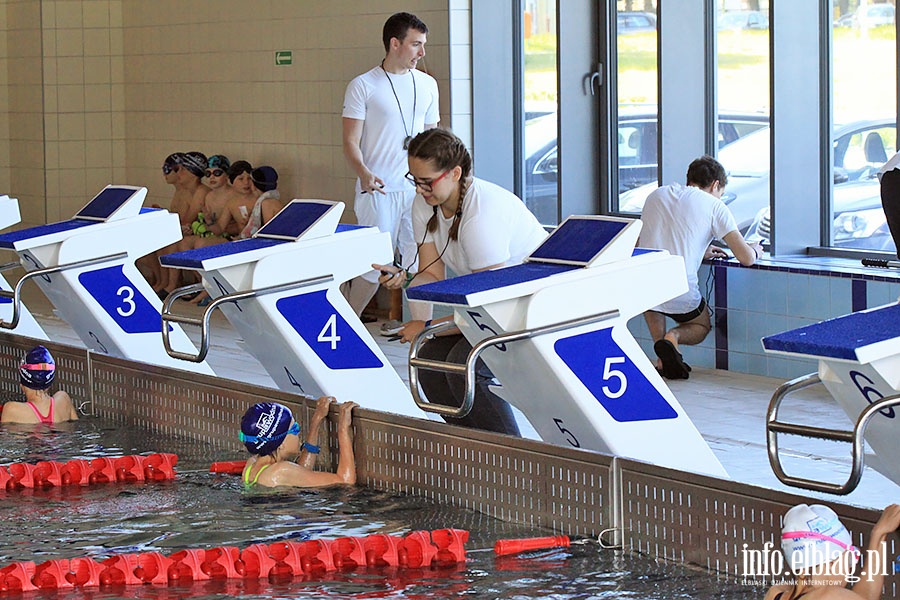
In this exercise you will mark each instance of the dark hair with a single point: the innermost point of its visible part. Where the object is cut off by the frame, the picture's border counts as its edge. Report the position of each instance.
(397, 26)
(706, 170)
(238, 167)
(445, 151)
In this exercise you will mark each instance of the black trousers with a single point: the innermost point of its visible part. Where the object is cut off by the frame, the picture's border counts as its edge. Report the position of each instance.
(489, 412)
(890, 201)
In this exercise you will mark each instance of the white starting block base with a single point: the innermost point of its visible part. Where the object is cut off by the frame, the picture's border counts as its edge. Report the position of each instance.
(289, 309)
(581, 382)
(859, 364)
(27, 326)
(85, 266)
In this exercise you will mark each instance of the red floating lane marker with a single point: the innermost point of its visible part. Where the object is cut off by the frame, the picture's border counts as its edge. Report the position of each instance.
(47, 474)
(504, 547)
(22, 475)
(348, 553)
(231, 467)
(17, 577)
(416, 550)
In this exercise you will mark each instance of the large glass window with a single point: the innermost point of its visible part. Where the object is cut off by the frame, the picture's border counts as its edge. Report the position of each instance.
(638, 100)
(742, 87)
(864, 76)
(540, 108)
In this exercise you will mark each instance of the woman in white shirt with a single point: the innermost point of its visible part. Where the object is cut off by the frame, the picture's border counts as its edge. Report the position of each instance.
(467, 225)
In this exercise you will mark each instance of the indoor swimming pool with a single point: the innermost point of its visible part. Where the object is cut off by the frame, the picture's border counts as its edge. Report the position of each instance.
(203, 510)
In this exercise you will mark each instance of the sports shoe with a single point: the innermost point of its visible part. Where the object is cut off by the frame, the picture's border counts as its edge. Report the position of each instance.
(389, 328)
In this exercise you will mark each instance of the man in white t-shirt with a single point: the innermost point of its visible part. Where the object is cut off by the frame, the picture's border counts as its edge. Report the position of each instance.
(384, 109)
(685, 219)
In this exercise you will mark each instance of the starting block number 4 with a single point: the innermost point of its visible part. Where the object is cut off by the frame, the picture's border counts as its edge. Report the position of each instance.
(326, 332)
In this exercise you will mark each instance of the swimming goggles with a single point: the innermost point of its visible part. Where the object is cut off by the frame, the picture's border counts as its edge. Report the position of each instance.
(789, 535)
(294, 430)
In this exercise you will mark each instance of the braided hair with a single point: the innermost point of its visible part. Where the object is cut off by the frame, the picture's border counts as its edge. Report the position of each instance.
(445, 151)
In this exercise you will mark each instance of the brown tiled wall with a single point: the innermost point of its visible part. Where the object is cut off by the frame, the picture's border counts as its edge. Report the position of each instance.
(100, 91)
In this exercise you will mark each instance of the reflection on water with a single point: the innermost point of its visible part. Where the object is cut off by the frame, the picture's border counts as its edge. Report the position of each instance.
(202, 510)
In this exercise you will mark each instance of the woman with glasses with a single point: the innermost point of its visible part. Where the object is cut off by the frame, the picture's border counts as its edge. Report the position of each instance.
(277, 458)
(465, 224)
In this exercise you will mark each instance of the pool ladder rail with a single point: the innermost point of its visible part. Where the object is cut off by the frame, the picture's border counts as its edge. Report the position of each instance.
(468, 368)
(855, 437)
(168, 317)
(418, 549)
(104, 469)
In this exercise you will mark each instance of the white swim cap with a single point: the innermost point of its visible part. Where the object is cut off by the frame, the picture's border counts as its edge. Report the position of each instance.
(813, 535)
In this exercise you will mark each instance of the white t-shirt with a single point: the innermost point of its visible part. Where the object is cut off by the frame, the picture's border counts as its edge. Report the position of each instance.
(684, 220)
(369, 98)
(495, 229)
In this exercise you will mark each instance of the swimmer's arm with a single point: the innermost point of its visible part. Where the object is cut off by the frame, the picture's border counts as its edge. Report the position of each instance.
(870, 585)
(747, 254)
(323, 405)
(12, 412)
(224, 219)
(294, 475)
(270, 207)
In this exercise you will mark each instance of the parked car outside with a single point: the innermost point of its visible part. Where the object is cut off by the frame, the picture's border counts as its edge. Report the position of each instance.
(871, 15)
(859, 152)
(635, 22)
(637, 147)
(742, 19)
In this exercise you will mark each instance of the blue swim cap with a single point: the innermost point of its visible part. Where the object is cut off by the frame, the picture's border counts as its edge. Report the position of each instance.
(219, 161)
(38, 369)
(265, 178)
(264, 427)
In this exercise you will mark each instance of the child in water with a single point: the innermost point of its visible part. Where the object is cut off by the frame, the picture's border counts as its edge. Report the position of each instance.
(277, 458)
(36, 375)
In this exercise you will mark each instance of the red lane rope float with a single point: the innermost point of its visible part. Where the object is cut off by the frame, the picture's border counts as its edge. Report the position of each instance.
(231, 467)
(504, 547)
(134, 468)
(441, 547)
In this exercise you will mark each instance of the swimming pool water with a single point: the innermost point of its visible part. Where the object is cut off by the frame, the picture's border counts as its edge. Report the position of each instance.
(203, 510)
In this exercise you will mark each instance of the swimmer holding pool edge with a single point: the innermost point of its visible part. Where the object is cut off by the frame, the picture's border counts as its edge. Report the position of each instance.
(272, 437)
(818, 549)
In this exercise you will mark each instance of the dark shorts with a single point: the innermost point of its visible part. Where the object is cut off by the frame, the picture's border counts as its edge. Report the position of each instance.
(689, 316)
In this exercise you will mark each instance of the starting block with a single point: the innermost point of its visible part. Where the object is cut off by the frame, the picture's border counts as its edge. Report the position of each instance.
(553, 331)
(280, 290)
(85, 266)
(25, 323)
(859, 365)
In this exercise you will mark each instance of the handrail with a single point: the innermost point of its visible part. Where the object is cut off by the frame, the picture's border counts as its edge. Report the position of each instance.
(855, 437)
(16, 293)
(468, 369)
(203, 321)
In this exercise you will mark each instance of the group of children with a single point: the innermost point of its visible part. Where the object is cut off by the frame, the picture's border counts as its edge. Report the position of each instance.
(216, 201)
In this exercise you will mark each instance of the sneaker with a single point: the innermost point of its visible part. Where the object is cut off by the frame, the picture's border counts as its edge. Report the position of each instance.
(389, 328)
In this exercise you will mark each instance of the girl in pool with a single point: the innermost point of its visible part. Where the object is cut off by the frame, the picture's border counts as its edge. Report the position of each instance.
(819, 550)
(277, 458)
(468, 225)
(36, 376)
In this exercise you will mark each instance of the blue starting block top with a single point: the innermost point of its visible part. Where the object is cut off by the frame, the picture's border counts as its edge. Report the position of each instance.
(8, 240)
(578, 240)
(193, 259)
(456, 289)
(105, 204)
(842, 337)
(294, 220)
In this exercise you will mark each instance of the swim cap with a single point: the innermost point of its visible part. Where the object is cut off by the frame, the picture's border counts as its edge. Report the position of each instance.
(238, 167)
(173, 159)
(265, 178)
(218, 161)
(38, 369)
(264, 426)
(195, 162)
(813, 535)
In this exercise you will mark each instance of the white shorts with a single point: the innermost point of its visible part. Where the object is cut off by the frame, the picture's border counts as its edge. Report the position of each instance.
(391, 213)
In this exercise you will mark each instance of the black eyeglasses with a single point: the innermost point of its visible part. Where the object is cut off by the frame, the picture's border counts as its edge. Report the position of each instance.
(169, 169)
(214, 173)
(426, 185)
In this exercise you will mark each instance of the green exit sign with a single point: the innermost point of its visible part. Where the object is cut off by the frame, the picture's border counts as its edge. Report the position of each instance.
(283, 57)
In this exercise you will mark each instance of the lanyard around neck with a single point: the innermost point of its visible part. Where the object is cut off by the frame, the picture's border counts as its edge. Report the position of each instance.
(412, 123)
